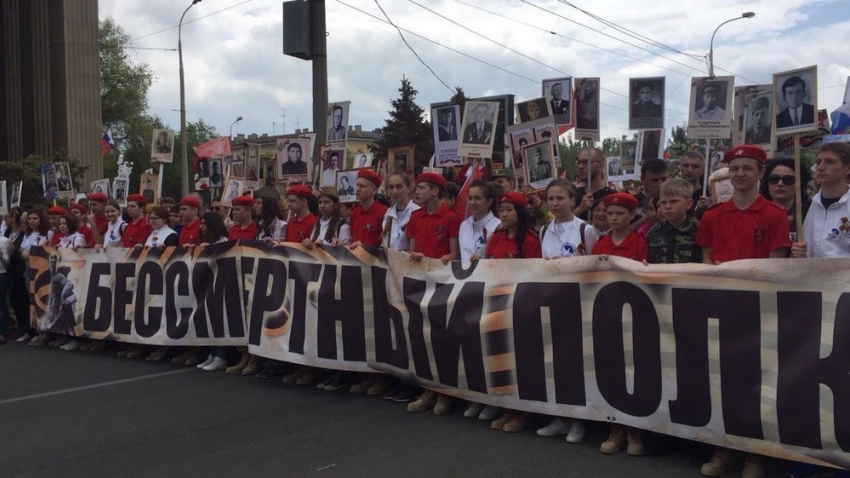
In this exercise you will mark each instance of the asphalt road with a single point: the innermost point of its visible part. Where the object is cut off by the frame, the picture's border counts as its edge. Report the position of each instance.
(75, 414)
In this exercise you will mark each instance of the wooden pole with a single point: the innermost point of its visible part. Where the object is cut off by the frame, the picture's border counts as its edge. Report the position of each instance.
(159, 184)
(587, 189)
(707, 166)
(798, 190)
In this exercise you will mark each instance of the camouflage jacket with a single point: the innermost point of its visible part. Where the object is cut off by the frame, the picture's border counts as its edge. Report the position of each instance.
(674, 245)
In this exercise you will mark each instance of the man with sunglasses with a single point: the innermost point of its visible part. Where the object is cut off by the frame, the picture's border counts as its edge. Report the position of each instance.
(585, 199)
(826, 229)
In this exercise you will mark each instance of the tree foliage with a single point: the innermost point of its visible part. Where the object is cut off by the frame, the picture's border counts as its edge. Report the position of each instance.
(407, 126)
(28, 171)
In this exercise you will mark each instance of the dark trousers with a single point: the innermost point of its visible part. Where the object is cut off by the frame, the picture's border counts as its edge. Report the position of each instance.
(20, 298)
(4, 312)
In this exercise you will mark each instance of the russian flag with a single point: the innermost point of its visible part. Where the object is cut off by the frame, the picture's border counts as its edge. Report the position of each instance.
(475, 171)
(106, 143)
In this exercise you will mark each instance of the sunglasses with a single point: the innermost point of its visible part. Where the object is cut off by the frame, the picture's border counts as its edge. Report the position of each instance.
(788, 180)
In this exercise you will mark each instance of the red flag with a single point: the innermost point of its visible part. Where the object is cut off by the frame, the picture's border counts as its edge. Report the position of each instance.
(474, 172)
(216, 147)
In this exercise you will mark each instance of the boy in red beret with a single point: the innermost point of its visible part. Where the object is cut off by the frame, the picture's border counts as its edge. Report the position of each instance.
(746, 227)
(366, 218)
(244, 226)
(137, 229)
(54, 214)
(620, 240)
(301, 220)
(97, 219)
(432, 231)
(190, 234)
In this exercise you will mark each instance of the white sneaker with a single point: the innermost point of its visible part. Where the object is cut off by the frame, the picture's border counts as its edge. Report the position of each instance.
(72, 344)
(206, 362)
(490, 413)
(218, 363)
(558, 426)
(473, 410)
(577, 432)
(23, 339)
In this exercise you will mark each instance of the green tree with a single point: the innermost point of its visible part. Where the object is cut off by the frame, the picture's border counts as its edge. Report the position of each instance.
(28, 171)
(407, 126)
(196, 133)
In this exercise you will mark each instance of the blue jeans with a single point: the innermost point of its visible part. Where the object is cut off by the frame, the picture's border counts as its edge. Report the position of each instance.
(4, 312)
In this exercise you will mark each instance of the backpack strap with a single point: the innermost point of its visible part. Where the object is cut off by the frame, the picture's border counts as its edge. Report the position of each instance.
(581, 232)
(543, 232)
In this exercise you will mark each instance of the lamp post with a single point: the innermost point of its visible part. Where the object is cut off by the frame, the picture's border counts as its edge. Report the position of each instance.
(184, 158)
(711, 49)
(238, 119)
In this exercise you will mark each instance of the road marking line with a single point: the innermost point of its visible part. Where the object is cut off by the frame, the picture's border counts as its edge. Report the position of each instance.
(326, 467)
(96, 385)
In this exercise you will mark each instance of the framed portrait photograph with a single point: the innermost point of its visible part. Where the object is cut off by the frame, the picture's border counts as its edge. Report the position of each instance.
(237, 169)
(445, 123)
(268, 171)
(650, 144)
(479, 129)
(338, 122)
(795, 99)
(646, 103)
(333, 161)
(540, 167)
(710, 112)
(548, 132)
(216, 173)
(17, 189)
(233, 188)
(48, 182)
(120, 186)
(361, 160)
(519, 136)
(346, 184)
(162, 146)
(628, 155)
(64, 184)
(4, 204)
(203, 168)
(586, 107)
(252, 162)
(744, 95)
(293, 156)
(618, 172)
(402, 159)
(534, 109)
(758, 113)
(148, 184)
(99, 186)
(559, 95)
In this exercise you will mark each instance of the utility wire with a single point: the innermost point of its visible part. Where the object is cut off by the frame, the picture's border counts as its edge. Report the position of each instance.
(191, 21)
(411, 48)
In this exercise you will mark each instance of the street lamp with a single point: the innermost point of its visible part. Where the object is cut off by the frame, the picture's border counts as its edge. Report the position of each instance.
(184, 158)
(238, 119)
(711, 50)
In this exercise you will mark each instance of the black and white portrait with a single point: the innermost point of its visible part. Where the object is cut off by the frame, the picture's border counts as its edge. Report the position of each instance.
(119, 189)
(539, 164)
(216, 176)
(237, 169)
(162, 145)
(48, 181)
(533, 110)
(362, 160)
(646, 103)
(795, 100)
(15, 201)
(61, 306)
(518, 139)
(293, 155)
(710, 101)
(234, 188)
(63, 178)
(445, 120)
(147, 187)
(4, 206)
(338, 121)
(346, 180)
(100, 186)
(402, 159)
(628, 155)
(479, 122)
(252, 163)
(757, 114)
(203, 168)
(559, 91)
(269, 171)
(649, 144)
(332, 162)
(710, 111)
(549, 133)
(587, 108)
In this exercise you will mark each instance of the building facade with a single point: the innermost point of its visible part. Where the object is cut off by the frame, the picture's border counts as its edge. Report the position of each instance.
(50, 81)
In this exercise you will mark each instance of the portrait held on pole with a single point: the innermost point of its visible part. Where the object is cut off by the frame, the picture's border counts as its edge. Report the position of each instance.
(795, 99)
(445, 120)
(402, 159)
(534, 109)
(479, 129)
(559, 95)
(162, 146)
(650, 145)
(586, 106)
(99, 186)
(540, 168)
(338, 122)
(15, 200)
(64, 184)
(757, 120)
(216, 176)
(293, 156)
(332, 162)
(119, 190)
(646, 103)
(710, 112)
(346, 184)
(148, 187)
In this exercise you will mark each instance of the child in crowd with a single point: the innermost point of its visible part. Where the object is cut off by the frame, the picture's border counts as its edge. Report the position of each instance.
(673, 239)
(651, 217)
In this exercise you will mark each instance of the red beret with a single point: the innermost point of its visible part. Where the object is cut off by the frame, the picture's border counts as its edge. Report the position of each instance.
(432, 178)
(98, 197)
(745, 151)
(300, 190)
(515, 198)
(79, 207)
(137, 198)
(57, 211)
(245, 201)
(190, 201)
(621, 199)
(370, 175)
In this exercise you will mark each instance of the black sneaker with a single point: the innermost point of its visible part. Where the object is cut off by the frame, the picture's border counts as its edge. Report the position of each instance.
(407, 394)
(275, 371)
(397, 388)
(340, 381)
(262, 373)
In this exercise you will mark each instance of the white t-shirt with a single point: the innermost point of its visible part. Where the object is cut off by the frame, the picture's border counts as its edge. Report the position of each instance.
(33, 239)
(398, 241)
(158, 236)
(564, 239)
(473, 235)
(343, 236)
(113, 234)
(74, 240)
(278, 231)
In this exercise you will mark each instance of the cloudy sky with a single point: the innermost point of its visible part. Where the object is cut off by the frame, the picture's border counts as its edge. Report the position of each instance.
(235, 66)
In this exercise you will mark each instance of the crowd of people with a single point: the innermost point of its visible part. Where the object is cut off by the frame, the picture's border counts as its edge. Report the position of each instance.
(668, 221)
